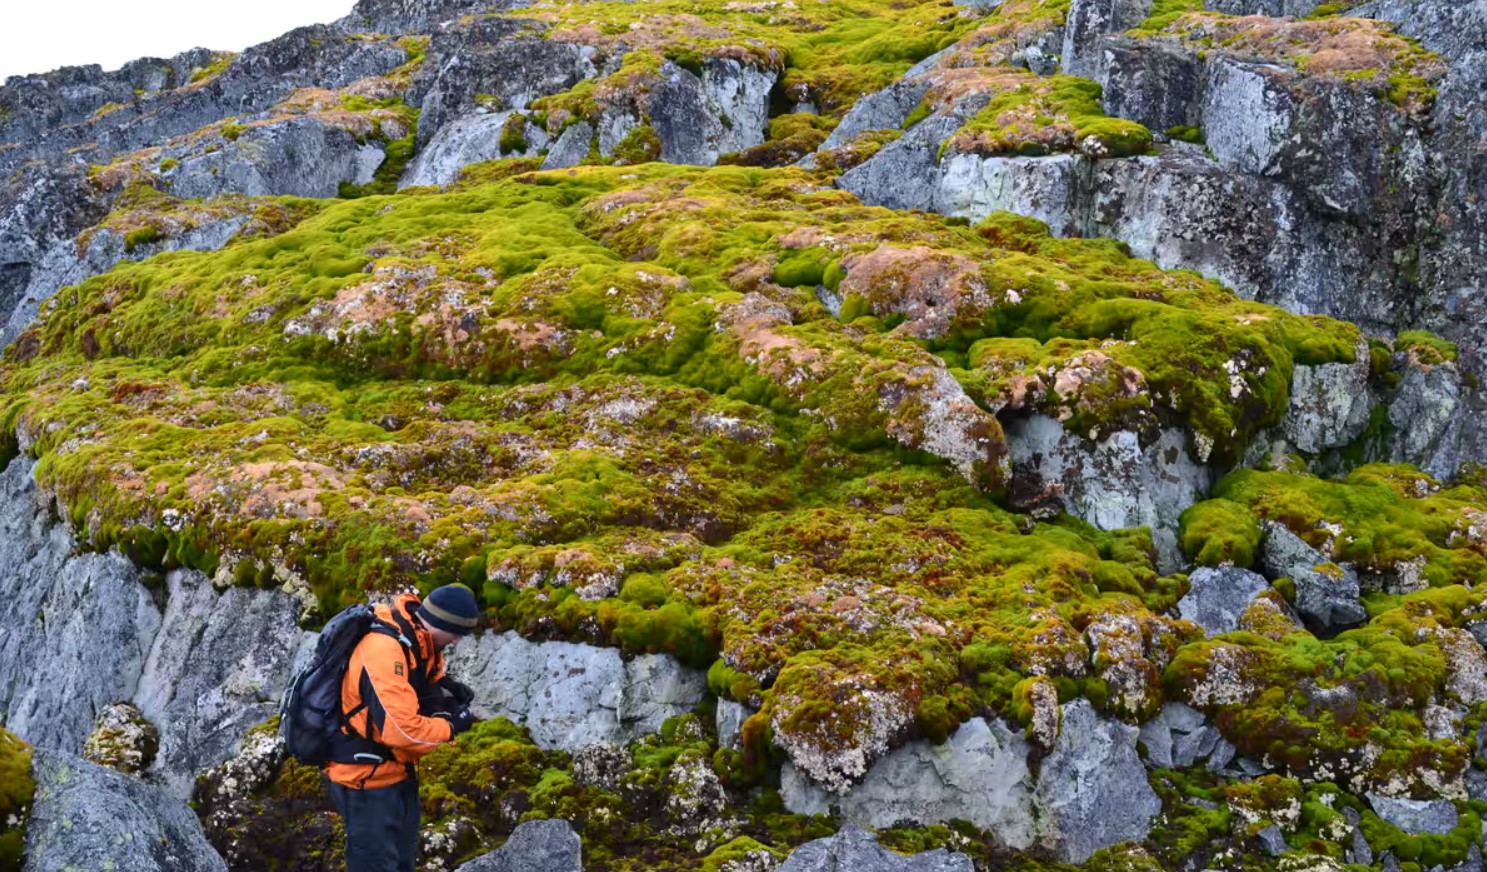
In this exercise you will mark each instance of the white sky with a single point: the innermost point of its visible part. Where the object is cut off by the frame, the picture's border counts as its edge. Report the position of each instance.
(41, 35)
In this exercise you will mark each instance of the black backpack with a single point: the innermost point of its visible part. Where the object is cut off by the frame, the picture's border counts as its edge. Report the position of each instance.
(310, 716)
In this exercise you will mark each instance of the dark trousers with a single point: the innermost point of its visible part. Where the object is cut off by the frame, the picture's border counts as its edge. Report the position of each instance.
(381, 826)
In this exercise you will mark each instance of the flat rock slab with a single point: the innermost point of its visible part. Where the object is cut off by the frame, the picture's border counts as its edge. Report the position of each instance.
(1217, 597)
(87, 816)
(1416, 816)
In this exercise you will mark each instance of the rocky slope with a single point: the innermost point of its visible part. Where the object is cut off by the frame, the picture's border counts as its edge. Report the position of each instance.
(1041, 431)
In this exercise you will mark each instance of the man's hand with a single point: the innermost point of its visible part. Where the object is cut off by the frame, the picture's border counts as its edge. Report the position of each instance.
(461, 692)
(460, 720)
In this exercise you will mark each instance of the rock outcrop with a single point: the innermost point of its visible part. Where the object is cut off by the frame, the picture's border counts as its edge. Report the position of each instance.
(1090, 791)
(572, 695)
(87, 816)
(77, 627)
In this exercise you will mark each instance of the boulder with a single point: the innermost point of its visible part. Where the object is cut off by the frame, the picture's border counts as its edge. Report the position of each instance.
(570, 148)
(1217, 597)
(1087, 23)
(550, 845)
(730, 719)
(87, 816)
(218, 666)
(1416, 816)
(1092, 790)
(571, 695)
(858, 850)
(980, 774)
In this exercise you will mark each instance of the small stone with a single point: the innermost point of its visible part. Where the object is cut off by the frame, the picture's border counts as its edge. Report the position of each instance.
(1273, 841)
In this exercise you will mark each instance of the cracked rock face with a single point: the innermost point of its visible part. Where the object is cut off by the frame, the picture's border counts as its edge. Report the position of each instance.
(218, 666)
(1326, 593)
(572, 695)
(1182, 736)
(77, 628)
(88, 816)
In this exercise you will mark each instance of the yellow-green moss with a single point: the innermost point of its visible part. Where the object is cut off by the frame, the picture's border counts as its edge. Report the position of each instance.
(16, 790)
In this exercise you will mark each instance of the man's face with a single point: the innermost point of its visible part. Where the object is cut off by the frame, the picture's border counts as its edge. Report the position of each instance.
(442, 638)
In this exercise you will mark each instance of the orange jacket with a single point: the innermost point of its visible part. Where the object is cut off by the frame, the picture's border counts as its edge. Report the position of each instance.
(378, 676)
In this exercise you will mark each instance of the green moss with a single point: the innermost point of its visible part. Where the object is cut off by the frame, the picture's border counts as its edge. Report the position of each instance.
(609, 398)
(1220, 531)
(1185, 133)
(148, 235)
(1426, 346)
(16, 790)
(220, 61)
(1036, 115)
(231, 132)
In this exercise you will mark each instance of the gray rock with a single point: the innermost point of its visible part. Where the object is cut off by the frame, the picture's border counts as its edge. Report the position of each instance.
(467, 140)
(416, 16)
(730, 718)
(218, 666)
(570, 148)
(75, 629)
(858, 850)
(1427, 416)
(87, 816)
(1047, 188)
(1217, 597)
(1358, 849)
(479, 60)
(1088, 20)
(62, 265)
(881, 110)
(980, 775)
(550, 845)
(905, 173)
(1416, 816)
(1273, 841)
(1330, 596)
(1329, 403)
(1112, 483)
(571, 695)
(1181, 736)
(1092, 790)
(301, 157)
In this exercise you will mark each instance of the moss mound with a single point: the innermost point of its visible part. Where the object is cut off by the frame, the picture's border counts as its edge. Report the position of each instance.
(16, 790)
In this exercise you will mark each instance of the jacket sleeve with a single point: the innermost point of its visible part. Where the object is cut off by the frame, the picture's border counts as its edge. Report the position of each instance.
(392, 704)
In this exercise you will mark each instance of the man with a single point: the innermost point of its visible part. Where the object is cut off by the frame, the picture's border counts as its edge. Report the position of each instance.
(394, 699)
